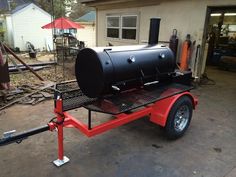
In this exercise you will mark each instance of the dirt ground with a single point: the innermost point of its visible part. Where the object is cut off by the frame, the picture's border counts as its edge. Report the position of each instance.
(25, 82)
(137, 149)
(57, 73)
(54, 73)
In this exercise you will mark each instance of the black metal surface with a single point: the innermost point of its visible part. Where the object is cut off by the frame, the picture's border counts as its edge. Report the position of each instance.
(154, 31)
(184, 78)
(89, 120)
(4, 73)
(23, 135)
(105, 70)
(71, 95)
(130, 100)
(173, 45)
(99, 69)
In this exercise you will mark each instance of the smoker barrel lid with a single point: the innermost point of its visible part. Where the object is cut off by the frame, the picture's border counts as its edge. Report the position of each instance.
(98, 70)
(92, 67)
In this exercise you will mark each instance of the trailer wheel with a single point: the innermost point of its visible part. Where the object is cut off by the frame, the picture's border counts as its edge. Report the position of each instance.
(179, 118)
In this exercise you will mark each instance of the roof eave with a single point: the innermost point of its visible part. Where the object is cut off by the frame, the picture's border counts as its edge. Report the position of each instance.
(104, 4)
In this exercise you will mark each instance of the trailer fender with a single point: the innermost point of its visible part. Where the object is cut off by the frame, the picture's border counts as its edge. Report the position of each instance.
(161, 109)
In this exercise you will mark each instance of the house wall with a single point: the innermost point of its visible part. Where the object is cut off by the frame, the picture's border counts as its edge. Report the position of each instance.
(26, 25)
(187, 16)
(9, 32)
(87, 34)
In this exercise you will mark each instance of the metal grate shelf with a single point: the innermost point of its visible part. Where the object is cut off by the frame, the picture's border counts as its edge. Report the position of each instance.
(71, 95)
(128, 101)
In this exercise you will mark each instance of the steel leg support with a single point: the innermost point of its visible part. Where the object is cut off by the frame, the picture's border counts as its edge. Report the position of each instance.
(60, 119)
(61, 158)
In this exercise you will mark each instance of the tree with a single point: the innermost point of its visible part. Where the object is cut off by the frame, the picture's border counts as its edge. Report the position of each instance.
(57, 8)
(78, 9)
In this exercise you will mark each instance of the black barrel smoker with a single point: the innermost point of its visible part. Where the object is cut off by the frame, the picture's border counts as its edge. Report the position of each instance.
(103, 70)
(126, 82)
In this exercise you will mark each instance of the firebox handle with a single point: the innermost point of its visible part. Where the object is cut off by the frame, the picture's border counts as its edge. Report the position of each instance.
(114, 87)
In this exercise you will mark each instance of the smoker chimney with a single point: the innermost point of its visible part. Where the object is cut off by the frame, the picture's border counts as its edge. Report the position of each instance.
(154, 31)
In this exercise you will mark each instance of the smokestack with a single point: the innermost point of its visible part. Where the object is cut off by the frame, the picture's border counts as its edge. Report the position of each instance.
(154, 31)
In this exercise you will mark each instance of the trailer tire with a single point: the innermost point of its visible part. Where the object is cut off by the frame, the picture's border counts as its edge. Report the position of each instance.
(179, 118)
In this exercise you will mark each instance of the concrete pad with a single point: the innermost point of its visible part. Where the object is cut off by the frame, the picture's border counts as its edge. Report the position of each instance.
(138, 149)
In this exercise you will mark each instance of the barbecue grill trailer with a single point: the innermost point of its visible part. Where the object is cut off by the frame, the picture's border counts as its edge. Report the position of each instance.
(167, 101)
(171, 110)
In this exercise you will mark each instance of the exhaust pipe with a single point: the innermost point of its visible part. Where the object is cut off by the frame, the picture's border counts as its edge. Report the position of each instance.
(154, 31)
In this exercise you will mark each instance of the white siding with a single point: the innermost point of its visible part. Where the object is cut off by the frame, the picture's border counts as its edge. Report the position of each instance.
(9, 34)
(27, 25)
(87, 34)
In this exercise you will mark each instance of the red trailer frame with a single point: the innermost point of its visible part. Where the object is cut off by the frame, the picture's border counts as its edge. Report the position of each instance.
(168, 105)
(158, 113)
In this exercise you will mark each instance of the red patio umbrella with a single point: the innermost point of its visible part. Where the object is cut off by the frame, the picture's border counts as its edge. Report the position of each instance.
(62, 23)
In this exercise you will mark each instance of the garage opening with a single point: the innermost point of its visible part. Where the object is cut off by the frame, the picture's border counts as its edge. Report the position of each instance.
(220, 47)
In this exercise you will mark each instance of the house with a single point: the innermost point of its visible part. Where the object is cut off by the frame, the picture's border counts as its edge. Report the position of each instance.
(126, 22)
(23, 24)
(88, 33)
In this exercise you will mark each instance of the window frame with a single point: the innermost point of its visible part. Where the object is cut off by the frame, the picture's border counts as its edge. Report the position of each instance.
(121, 27)
(112, 27)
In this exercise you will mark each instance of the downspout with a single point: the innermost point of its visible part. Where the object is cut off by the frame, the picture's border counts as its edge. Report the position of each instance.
(204, 37)
(96, 27)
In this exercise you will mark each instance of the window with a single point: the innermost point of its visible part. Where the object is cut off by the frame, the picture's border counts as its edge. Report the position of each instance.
(113, 26)
(1, 25)
(129, 25)
(122, 27)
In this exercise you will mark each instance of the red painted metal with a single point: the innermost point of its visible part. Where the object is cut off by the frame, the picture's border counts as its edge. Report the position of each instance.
(60, 142)
(51, 126)
(59, 125)
(162, 108)
(157, 111)
(119, 120)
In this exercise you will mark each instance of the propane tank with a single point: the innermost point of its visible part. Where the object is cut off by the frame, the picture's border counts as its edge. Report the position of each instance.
(185, 55)
(174, 42)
